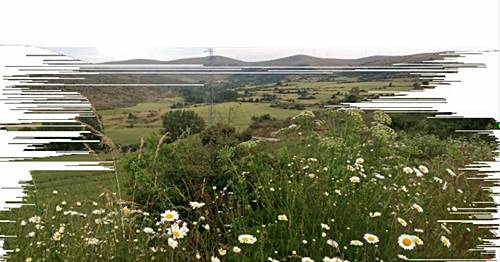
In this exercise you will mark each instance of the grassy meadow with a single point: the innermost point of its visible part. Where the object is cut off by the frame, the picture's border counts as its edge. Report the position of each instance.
(334, 185)
(238, 115)
(322, 91)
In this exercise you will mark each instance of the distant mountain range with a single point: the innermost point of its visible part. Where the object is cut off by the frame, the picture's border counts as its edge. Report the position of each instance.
(295, 60)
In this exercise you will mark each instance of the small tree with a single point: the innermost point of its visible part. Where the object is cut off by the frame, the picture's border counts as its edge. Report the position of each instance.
(131, 120)
(354, 95)
(179, 121)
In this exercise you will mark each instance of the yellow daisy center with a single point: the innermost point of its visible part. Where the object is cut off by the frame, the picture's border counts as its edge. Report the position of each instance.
(370, 238)
(169, 216)
(407, 242)
(176, 233)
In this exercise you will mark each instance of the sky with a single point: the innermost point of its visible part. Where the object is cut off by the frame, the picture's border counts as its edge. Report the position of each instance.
(250, 30)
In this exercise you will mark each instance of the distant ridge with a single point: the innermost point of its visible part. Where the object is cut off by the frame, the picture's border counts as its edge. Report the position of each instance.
(295, 60)
(209, 61)
(204, 60)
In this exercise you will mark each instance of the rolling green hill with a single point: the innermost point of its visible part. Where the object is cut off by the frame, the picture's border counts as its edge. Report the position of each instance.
(295, 60)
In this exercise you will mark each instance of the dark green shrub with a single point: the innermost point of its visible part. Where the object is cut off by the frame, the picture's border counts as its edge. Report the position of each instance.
(179, 121)
(221, 134)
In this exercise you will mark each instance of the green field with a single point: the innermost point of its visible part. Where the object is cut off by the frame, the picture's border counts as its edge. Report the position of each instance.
(233, 113)
(324, 90)
(239, 114)
(153, 105)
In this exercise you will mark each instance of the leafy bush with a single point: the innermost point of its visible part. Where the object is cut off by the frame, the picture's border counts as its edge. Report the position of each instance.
(221, 134)
(265, 125)
(179, 121)
(442, 127)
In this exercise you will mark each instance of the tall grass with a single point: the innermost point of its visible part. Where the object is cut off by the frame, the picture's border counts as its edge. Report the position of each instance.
(331, 181)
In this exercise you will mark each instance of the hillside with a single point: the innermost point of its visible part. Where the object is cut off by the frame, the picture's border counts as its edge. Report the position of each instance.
(209, 61)
(214, 60)
(295, 60)
(305, 60)
(125, 96)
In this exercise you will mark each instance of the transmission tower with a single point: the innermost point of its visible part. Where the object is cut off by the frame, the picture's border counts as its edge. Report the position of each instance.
(211, 111)
(210, 52)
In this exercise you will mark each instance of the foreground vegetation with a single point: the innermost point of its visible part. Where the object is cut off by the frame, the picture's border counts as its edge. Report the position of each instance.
(331, 185)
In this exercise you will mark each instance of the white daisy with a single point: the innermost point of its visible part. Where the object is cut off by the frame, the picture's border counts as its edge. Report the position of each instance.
(446, 242)
(402, 222)
(407, 242)
(423, 169)
(247, 239)
(418, 173)
(408, 170)
(172, 243)
(371, 238)
(354, 179)
(356, 243)
(403, 257)
(169, 216)
(195, 205)
(418, 208)
(178, 232)
(282, 218)
(418, 241)
(332, 243)
(148, 230)
(450, 172)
